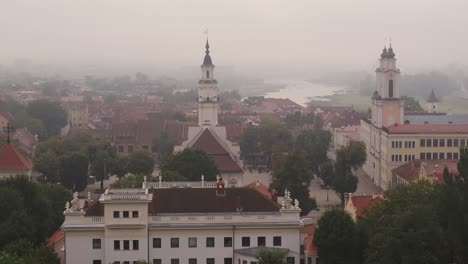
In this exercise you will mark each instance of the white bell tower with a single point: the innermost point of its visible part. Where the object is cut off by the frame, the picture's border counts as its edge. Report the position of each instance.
(207, 93)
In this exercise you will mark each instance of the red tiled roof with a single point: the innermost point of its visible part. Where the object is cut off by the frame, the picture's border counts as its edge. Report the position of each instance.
(310, 248)
(12, 160)
(363, 202)
(259, 187)
(427, 129)
(435, 168)
(58, 236)
(221, 157)
(147, 130)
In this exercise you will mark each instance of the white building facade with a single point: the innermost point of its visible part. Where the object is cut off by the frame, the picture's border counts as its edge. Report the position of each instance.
(180, 225)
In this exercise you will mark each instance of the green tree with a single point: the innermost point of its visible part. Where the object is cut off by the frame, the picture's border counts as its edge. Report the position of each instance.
(164, 146)
(57, 195)
(295, 177)
(192, 164)
(348, 160)
(315, 144)
(74, 171)
(34, 125)
(30, 253)
(271, 257)
(336, 238)
(404, 228)
(129, 181)
(140, 162)
(411, 104)
(50, 113)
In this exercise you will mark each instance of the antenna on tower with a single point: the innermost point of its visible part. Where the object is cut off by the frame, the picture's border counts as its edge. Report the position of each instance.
(385, 42)
(390, 42)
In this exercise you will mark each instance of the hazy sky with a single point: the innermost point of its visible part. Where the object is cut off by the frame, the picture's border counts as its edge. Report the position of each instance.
(347, 33)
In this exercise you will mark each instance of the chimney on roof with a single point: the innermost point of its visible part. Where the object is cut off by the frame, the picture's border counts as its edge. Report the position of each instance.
(274, 196)
(220, 190)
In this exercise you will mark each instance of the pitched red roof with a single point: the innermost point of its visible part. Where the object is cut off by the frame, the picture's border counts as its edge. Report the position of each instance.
(427, 129)
(221, 157)
(435, 168)
(362, 203)
(12, 160)
(58, 236)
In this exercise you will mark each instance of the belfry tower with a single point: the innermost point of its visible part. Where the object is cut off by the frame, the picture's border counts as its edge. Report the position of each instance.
(387, 109)
(207, 92)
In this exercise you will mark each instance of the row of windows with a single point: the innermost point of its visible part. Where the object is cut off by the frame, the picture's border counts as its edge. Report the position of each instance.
(400, 157)
(407, 144)
(98, 261)
(126, 245)
(428, 156)
(125, 214)
(194, 261)
(441, 142)
(210, 242)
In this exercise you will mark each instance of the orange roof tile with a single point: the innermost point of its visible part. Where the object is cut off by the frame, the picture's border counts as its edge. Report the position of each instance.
(12, 160)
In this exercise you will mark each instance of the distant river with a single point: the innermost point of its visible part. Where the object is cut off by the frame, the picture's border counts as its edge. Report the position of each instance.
(301, 91)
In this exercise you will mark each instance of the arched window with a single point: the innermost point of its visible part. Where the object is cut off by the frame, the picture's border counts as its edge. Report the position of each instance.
(207, 74)
(390, 88)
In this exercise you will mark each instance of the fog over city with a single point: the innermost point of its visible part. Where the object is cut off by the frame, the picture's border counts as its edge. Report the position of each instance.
(248, 34)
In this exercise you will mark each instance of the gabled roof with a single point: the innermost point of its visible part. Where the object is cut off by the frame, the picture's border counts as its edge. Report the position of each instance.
(362, 203)
(410, 171)
(12, 160)
(221, 157)
(260, 187)
(57, 237)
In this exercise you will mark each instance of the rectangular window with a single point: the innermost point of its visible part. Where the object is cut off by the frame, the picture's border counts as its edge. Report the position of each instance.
(290, 260)
(428, 156)
(428, 143)
(210, 242)
(435, 156)
(227, 241)
(116, 244)
(455, 142)
(130, 148)
(136, 244)
(406, 144)
(400, 144)
(157, 261)
(422, 156)
(462, 142)
(116, 214)
(96, 243)
(227, 260)
(156, 242)
(246, 241)
(97, 261)
(414, 144)
(441, 155)
(422, 142)
(449, 142)
(393, 144)
(174, 242)
(442, 142)
(126, 244)
(174, 261)
(192, 261)
(455, 155)
(126, 262)
(261, 241)
(192, 242)
(135, 214)
(390, 88)
(121, 148)
(435, 142)
(210, 261)
(277, 241)
(449, 155)
(125, 214)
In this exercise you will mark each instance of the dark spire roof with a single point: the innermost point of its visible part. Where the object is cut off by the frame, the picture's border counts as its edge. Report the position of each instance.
(432, 98)
(390, 53)
(384, 52)
(207, 59)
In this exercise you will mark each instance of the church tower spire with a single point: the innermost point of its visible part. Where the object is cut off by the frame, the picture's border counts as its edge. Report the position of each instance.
(207, 92)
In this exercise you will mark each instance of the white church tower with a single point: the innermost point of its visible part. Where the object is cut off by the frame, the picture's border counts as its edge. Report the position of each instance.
(207, 93)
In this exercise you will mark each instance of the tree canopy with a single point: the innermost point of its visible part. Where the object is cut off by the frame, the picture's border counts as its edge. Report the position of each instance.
(50, 113)
(271, 257)
(336, 238)
(140, 162)
(411, 104)
(191, 164)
